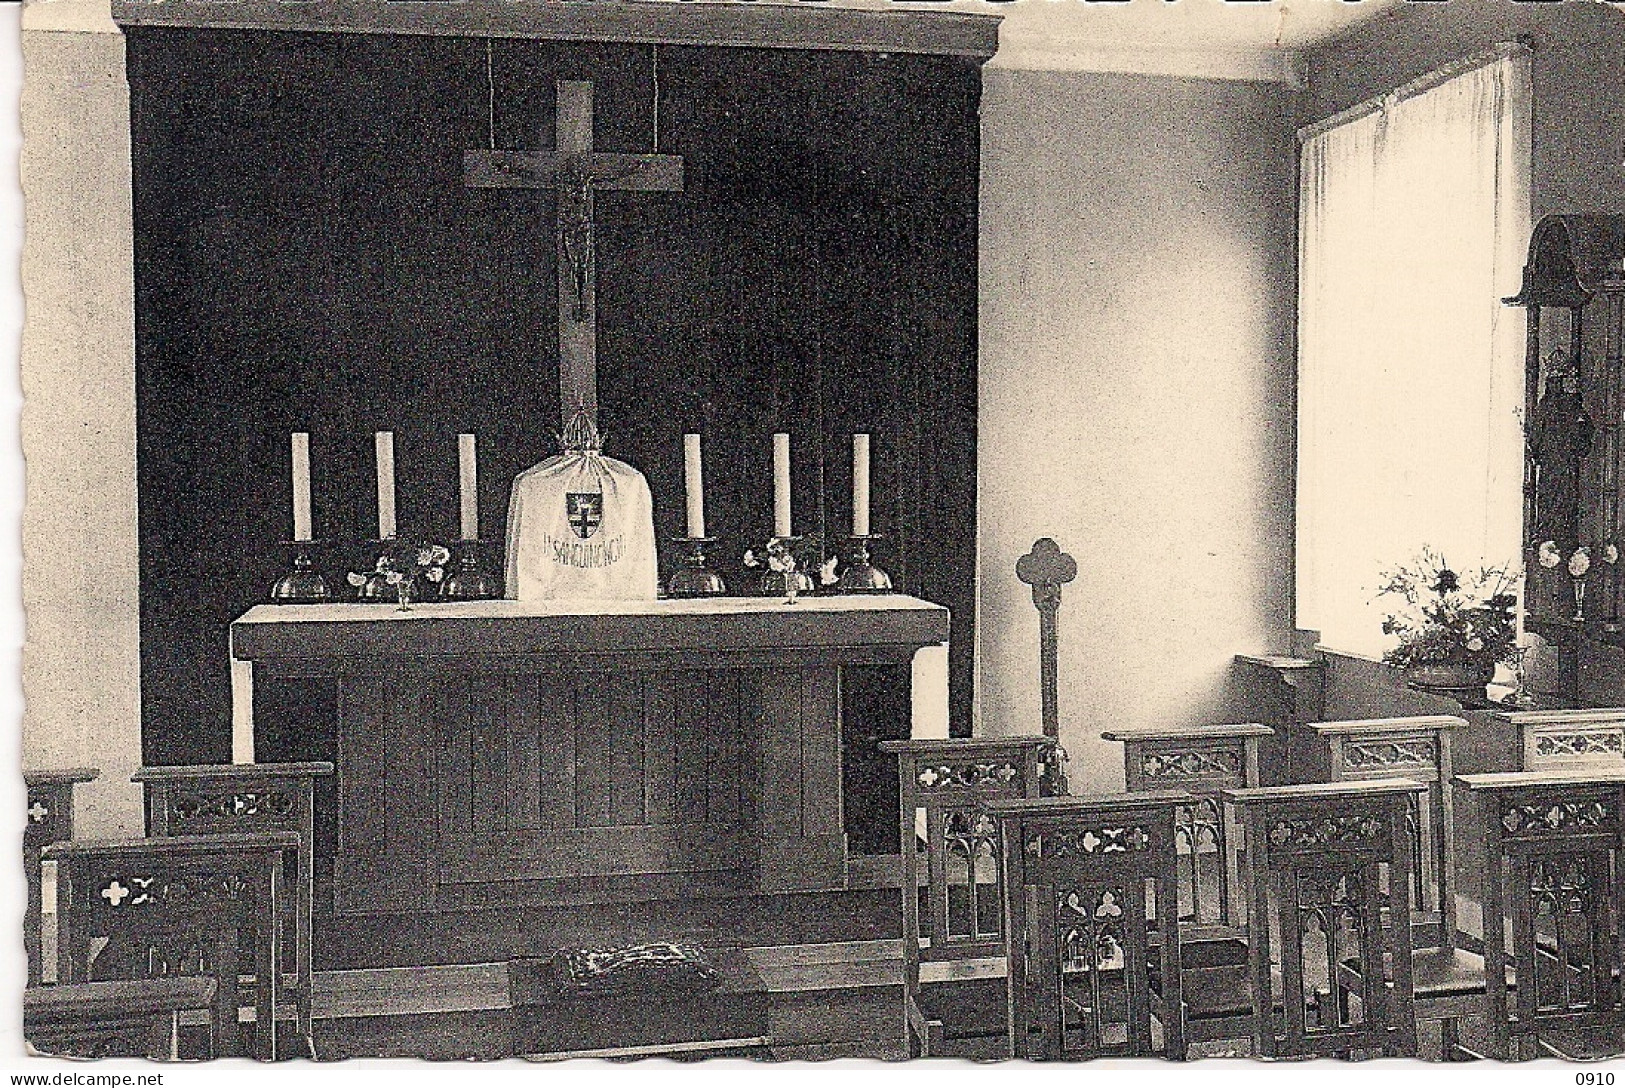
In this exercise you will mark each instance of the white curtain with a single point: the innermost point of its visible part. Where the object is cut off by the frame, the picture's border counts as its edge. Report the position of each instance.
(1413, 221)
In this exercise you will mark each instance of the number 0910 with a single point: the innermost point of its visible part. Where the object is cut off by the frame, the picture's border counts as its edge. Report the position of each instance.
(1593, 1080)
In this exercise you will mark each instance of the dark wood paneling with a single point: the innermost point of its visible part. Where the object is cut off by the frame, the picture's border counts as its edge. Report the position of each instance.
(659, 762)
(489, 786)
(723, 728)
(626, 751)
(447, 701)
(597, 851)
(688, 740)
(594, 794)
(361, 765)
(776, 720)
(404, 818)
(304, 239)
(821, 752)
(556, 751)
(524, 757)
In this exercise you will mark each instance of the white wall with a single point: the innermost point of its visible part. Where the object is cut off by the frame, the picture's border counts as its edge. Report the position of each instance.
(81, 662)
(1136, 402)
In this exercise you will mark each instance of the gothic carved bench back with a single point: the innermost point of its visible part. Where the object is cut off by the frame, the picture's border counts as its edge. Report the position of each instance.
(945, 782)
(238, 798)
(49, 818)
(1204, 761)
(187, 905)
(941, 786)
(1565, 739)
(1553, 841)
(1417, 748)
(1086, 881)
(1320, 860)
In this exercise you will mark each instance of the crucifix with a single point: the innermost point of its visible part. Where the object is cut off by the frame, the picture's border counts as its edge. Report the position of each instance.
(576, 171)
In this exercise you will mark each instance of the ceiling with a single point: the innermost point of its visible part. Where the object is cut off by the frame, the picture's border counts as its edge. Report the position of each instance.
(1242, 39)
(1215, 39)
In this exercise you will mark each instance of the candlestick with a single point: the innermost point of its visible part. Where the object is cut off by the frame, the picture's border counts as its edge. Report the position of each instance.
(781, 486)
(468, 582)
(304, 582)
(300, 443)
(384, 445)
(860, 485)
(692, 579)
(694, 487)
(860, 575)
(468, 491)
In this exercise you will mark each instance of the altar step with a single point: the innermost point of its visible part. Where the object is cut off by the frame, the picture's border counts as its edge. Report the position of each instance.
(840, 999)
(783, 969)
(805, 1002)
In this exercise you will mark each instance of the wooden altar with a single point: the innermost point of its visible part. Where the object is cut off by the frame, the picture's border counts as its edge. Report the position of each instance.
(503, 752)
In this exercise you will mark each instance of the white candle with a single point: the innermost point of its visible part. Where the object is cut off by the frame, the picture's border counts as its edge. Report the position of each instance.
(781, 485)
(694, 485)
(301, 485)
(860, 485)
(468, 487)
(384, 443)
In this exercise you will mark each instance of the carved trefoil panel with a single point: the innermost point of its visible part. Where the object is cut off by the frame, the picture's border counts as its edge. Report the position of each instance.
(1315, 832)
(1085, 842)
(991, 774)
(1420, 752)
(1559, 817)
(1580, 744)
(1188, 763)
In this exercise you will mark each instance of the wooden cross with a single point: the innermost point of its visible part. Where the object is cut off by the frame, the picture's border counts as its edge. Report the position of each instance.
(576, 171)
(1047, 568)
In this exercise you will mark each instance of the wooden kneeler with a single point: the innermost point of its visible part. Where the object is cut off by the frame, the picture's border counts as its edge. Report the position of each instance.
(552, 1022)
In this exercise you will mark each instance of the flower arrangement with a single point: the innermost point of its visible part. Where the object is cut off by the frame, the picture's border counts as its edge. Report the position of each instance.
(401, 567)
(1579, 563)
(1450, 618)
(788, 559)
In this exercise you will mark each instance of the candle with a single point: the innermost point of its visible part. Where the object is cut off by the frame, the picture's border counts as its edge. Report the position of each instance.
(860, 485)
(694, 485)
(301, 485)
(468, 487)
(781, 485)
(384, 443)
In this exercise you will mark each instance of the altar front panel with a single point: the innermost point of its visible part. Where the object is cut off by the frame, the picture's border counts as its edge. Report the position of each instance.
(634, 773)
(586, 770)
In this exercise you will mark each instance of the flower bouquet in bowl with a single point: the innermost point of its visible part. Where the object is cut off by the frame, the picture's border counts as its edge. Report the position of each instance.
(1453, 627)
(399, 570)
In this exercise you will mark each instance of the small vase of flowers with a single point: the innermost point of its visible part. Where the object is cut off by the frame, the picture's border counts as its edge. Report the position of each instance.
(784, 563)
(1453, 627)
(398, 570)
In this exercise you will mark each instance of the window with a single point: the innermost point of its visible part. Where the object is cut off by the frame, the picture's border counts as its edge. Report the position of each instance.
(1413, 218)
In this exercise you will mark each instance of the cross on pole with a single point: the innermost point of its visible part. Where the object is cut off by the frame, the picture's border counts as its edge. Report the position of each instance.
(1047, 568)
(576, 172)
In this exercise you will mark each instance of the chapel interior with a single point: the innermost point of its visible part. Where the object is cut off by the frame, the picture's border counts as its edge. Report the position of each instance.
(1143, 334)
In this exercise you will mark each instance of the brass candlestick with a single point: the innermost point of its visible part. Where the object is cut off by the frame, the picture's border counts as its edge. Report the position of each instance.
(692, 579)
(860, 575)
(468, 582)
(303, 584)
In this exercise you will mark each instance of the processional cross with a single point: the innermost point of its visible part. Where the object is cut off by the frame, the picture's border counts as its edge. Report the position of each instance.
(576, 171)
